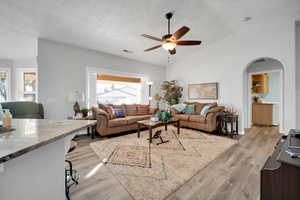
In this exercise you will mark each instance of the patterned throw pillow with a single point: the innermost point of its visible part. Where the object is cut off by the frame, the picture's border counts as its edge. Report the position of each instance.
(189, 109)
(109, 110)
(179, 107)
(131, 109)
(204, 110)
(143, 109)
(118, 112)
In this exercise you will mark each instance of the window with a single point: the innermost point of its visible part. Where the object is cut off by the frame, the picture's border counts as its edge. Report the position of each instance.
(118, 90)
(4, 84)
(27, 87)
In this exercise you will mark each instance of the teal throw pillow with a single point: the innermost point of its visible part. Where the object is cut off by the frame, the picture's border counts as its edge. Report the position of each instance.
(189, 109)
(204, 110)
(179, 107)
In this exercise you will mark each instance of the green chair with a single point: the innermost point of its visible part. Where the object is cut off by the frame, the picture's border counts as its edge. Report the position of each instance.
(24, 109)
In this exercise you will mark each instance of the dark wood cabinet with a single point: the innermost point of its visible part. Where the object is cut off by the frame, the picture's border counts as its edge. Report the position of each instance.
(280, 176)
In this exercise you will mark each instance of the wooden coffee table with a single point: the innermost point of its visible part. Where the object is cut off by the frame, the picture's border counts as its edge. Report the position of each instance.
(151, 125)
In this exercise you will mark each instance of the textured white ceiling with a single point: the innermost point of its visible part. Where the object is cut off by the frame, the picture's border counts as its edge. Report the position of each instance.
(113, 25)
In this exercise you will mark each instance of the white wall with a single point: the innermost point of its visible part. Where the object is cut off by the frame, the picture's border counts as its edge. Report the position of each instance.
(298, 73)
(274, 88)
(62, 69)
(225, 62)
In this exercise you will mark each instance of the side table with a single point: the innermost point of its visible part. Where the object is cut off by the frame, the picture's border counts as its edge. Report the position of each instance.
(233, 120)
(91, 130)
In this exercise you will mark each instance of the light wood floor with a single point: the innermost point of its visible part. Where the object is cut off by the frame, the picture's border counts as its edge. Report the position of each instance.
(235, 175)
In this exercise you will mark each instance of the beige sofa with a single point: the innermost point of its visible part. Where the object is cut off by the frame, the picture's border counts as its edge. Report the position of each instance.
(207, 123)
(109, 126)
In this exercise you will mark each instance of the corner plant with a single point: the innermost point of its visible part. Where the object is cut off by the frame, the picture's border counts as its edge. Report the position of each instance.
(172, 92)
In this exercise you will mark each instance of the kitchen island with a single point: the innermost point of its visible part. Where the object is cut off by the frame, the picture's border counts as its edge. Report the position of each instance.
(32, 158)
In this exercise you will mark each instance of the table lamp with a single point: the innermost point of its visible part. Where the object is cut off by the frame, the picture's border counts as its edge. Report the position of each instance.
(75, 97)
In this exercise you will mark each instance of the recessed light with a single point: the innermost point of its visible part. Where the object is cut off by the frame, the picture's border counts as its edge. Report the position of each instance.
(247, 19)
(127, 51)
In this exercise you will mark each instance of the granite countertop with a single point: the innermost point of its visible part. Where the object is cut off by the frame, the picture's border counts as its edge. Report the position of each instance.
(31, 134)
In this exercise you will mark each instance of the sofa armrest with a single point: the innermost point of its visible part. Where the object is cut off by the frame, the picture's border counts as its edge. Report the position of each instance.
(212, 117)
(102, 118)
(216, 109)
(153, 110)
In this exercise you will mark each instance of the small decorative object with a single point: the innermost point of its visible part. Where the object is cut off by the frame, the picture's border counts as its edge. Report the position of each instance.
(172, 92)
(255, 99)
(164, 116)
(84, 112)
(230, 111)
(7, 119)
(203, 91)
(154, 119)
(75, 97)
(157, 98)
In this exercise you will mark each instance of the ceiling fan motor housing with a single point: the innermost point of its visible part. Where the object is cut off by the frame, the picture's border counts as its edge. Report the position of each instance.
(165, 37)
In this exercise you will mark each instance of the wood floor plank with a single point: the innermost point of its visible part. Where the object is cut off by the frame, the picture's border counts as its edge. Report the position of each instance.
(98, 185)
(243, 179)
(234, 175)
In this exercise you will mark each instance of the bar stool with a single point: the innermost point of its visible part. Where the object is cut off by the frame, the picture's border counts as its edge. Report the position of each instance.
(71, 175)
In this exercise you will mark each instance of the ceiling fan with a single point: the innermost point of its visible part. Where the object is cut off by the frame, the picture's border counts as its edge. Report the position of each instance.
(170, 41)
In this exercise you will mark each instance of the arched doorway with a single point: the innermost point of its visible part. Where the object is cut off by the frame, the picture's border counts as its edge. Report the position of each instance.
(272, 71)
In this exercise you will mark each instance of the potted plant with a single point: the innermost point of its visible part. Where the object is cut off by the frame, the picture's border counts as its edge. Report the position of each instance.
(172, 92)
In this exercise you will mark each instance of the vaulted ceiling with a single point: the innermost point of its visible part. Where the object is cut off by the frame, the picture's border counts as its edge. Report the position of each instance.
(113, 25)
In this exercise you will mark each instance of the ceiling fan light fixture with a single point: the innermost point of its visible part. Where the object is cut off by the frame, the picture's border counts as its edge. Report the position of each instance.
(169, 45)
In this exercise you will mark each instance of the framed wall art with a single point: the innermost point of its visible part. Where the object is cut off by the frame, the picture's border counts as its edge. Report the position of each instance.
(203, 91)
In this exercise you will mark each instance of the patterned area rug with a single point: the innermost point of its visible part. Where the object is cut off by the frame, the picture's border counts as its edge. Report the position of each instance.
(154, 171)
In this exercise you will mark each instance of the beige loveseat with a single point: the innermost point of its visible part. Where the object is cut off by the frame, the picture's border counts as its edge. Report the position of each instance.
(106, 125)
(208, 123)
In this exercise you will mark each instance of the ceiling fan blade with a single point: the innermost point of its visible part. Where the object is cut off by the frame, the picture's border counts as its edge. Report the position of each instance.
(172, 52)
(155, 47)
(188, 42)
(181, 32)
(152, 38)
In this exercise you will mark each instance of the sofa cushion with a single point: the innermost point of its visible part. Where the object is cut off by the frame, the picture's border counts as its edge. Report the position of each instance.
(182, 117)
(131, 109)
(197, 118)
(134, 119)
(24, 109)
(143, 109)
(117, 122)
